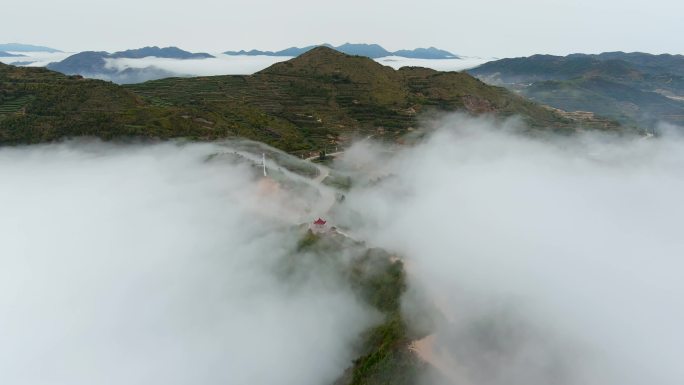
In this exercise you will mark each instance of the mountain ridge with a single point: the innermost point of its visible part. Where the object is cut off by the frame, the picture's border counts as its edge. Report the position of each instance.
(634, 88)
(93, 64)
(7, 54)
(165, 52)
(373, 51)
(18, 47)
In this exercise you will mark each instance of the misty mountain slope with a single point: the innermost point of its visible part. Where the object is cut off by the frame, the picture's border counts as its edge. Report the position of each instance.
(94, 65)
(26, 48)
(7, 54)
(425, 53)
(166, 52)
(607, 98)
(380, 281)
(88, 62)
(372, 51)
(648, 63)
(634, 88)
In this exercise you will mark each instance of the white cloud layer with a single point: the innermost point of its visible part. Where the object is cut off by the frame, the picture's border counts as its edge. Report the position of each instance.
(247, 65)
(554, 260)
(36, 59)
(222, 64)
(461, 64)
(149, 265)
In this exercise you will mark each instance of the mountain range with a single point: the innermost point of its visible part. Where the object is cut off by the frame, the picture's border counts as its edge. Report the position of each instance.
(17, 47)
(634, 88)
(94, 64)
(167, 52)
(7, 54)
(99, 65)
(373, 51)
(299, 105)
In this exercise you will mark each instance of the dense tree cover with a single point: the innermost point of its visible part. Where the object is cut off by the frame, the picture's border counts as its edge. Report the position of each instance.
(37, 105)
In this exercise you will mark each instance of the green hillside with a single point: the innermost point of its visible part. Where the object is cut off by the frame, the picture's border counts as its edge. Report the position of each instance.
(320, 97)
(327, 95)
(38, 105)
(633, 88)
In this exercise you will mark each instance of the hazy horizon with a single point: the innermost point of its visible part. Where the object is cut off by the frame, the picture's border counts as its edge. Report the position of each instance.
(278, 48)
(499, 29)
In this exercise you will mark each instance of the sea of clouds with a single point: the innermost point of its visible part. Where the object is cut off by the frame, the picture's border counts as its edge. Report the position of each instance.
(552, 260)
(247, 65)
(220, 65)
(35, 59)
(148, 264)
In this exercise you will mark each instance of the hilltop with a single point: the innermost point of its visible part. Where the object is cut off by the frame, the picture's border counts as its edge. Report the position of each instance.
(372, 51)
(318, 98)
(633, 88)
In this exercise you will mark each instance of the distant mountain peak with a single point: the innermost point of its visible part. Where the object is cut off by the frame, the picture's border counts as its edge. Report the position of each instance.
(322, 50)
(166, 52)
(634, 88)
(94, 63)
(18, 47)
(373, 51)
(328, 61)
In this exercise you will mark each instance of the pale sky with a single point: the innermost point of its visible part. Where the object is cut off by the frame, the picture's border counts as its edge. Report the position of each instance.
(494, 28)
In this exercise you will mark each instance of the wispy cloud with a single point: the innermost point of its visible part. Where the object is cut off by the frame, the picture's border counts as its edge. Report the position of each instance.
(551, 260)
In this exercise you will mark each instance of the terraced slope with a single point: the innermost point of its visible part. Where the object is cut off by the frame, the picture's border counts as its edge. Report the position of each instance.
(38, 105)
(327, 94)
(636, 89)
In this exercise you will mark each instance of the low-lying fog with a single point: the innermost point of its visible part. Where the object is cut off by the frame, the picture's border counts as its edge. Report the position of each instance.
(220, 65)
(150, 265)
(461, 64)
(247, 65)
(35, 59)
(553, 261)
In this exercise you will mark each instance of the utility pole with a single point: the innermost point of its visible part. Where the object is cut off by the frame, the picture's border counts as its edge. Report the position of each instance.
(263, 162)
